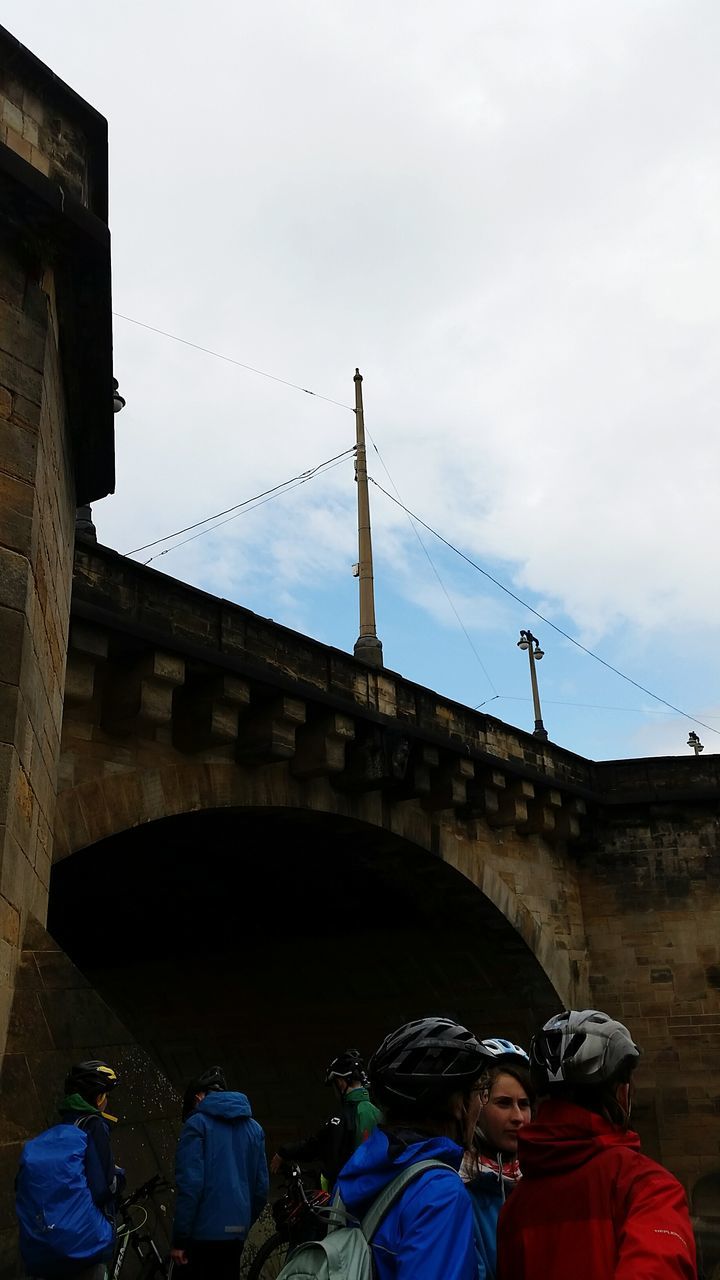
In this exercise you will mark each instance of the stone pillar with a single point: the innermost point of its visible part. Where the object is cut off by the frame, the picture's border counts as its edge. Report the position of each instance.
(37, 515)
(56, 446)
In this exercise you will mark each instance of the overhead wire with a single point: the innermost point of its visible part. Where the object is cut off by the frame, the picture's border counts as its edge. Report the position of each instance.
(587, 706)
(262, 373)
(249, 504)
(304, 475)
(435, 570)
(270, 497)
(553, 625)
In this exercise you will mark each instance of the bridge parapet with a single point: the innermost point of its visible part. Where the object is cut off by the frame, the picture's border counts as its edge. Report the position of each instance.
(172, 665)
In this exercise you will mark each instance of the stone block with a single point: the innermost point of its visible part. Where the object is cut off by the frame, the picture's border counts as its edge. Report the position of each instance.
(16, 513)
(28, 1031)
(20, 378)
(19, 335)
(57, 971)
(21, 1115)
(78, 1017)
(12, 115)
(18, 450)
(27, 975)
(14, 868)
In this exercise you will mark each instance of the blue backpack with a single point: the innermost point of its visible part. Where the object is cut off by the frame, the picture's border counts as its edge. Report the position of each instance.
(58, 1219)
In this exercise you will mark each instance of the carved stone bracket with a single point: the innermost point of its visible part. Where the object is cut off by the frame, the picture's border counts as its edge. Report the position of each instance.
(140, 697)
(87, 649)
(268, 733)
(449, 783)
(206, 711)
(320, 746)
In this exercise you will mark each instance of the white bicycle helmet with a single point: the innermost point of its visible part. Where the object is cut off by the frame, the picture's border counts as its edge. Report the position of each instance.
(504, 1053)
(581, 1047)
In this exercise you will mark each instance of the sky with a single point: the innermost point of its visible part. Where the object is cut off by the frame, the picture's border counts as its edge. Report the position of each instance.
(503, 212)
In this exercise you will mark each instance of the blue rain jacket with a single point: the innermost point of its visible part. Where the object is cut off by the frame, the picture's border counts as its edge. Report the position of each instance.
(221, 1172)
(488, 1191)
(428, 1233)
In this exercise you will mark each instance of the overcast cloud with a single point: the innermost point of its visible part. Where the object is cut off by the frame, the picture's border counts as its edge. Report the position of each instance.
(507, 213)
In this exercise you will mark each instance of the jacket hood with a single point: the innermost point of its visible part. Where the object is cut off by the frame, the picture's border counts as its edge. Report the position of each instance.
(76, 1102)
(564, 1136)
(385, 1154)
(225, 1106)
(356, 1096)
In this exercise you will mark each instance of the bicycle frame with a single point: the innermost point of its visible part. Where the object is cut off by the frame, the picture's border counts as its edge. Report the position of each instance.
(143, 1245)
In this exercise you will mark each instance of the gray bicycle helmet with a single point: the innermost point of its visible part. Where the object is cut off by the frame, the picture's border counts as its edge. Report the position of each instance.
(423, 1062)
(583, 1047)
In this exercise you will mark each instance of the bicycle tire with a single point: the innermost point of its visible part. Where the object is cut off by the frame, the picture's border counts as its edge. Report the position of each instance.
(151, 1269)
(270, 1258)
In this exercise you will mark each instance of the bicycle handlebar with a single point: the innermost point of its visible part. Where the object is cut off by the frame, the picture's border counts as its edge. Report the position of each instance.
(156, 1183)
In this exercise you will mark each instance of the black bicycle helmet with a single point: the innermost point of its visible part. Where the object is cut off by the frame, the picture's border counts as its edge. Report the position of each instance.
(580, 1047)
(348, 1065)
(425, 1061)
(90, 1079)
(210, 1081)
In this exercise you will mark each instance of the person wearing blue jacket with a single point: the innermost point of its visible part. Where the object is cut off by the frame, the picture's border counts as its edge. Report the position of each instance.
(221, 1178)
(424, 1078)
(490, 1168)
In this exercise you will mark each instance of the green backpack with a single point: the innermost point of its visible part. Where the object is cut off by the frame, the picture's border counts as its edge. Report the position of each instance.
(345, 1252)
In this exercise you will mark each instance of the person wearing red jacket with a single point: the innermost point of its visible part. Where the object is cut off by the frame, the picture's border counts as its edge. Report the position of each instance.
(590, 1205)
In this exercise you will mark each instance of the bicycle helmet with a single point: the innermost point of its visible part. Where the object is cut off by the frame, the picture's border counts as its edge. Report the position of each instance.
(347, 1066)
(90, 1079)
(211, 1081)
(580, 1047)
(503, 1053)
(424, 1061)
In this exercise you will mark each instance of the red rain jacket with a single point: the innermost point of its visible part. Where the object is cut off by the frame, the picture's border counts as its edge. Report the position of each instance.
(590, 1206)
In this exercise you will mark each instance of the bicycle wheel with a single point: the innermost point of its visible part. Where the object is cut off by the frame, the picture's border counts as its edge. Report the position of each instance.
(154, 1268)
(269, 1259)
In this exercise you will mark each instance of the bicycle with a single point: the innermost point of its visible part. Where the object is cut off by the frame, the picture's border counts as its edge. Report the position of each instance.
(131, 1234)
(297, 1218)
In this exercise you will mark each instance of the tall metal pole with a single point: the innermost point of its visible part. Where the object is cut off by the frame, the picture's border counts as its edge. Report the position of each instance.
(539, 731)
(530, 642)
(367, 646)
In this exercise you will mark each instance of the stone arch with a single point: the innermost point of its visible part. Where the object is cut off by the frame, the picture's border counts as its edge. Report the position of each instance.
(117, 802)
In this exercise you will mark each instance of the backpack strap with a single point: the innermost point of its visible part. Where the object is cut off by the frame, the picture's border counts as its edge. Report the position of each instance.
(393, 1191)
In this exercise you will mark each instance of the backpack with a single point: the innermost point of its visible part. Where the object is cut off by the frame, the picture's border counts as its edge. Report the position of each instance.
(345, 1252)
(58, 1219)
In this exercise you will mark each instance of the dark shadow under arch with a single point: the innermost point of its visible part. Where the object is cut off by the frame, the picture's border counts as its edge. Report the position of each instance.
(269, 940)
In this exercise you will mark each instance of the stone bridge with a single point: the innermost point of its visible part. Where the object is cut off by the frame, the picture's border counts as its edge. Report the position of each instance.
(192, 721)
(221, 840)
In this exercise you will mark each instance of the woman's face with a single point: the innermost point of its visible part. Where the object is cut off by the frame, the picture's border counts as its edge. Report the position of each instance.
(503, 1113)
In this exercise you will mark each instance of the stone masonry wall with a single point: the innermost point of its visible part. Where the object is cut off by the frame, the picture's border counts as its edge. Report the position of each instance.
(57, 1018)
(37, 505)
(42, 134)
(652, 912)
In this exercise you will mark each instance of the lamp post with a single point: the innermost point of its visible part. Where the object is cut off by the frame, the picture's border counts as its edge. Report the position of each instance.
(535, 653)
(694, 742)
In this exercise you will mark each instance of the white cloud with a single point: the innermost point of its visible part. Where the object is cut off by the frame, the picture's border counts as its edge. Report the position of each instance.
(504, 212)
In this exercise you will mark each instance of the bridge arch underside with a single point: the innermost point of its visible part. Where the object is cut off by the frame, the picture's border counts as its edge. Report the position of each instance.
(268, 940)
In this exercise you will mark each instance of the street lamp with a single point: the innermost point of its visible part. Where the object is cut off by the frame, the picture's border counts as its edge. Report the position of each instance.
(694, 742)
(83, 515)
(119, 401)
(535, 653)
